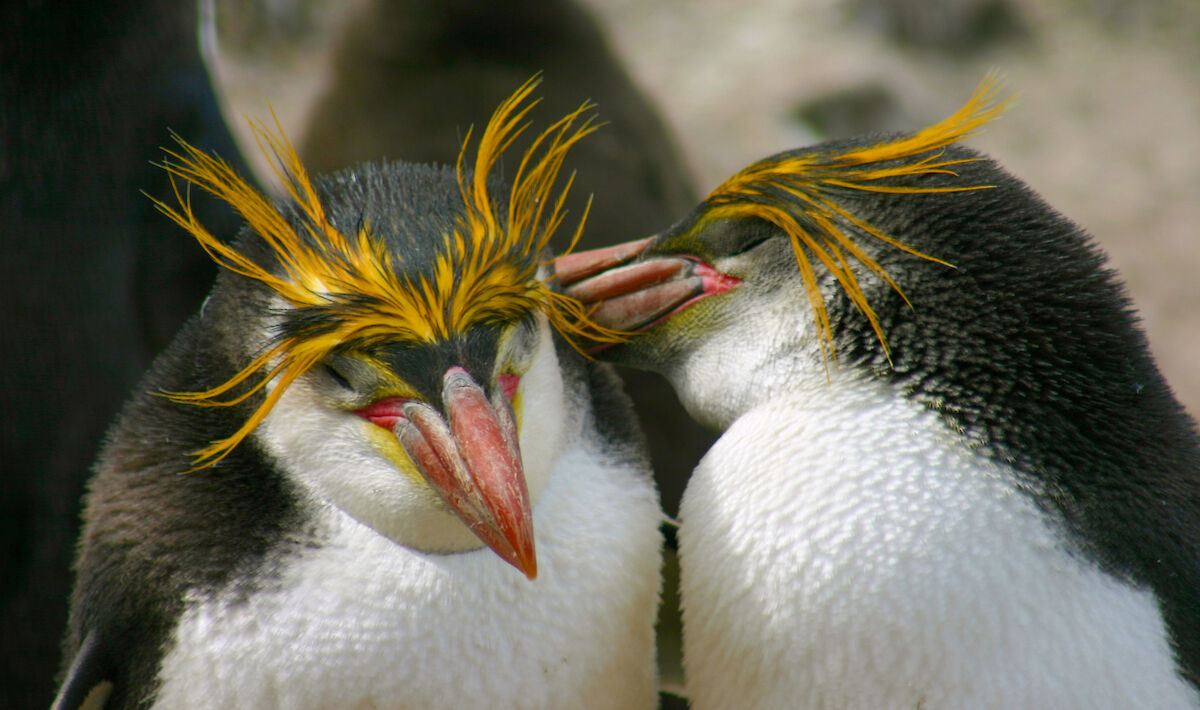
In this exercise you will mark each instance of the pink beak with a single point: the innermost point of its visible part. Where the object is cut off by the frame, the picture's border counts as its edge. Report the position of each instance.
(473, 461)
(634, 295)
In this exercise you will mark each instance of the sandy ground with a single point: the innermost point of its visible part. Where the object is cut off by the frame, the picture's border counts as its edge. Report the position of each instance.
(1106, 125)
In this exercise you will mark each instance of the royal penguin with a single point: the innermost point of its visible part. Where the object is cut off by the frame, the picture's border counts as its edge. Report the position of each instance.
(373, 471)
(949, 473)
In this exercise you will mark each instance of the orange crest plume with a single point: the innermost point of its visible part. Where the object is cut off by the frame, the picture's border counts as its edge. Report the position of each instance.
(487, 271)
(791, 191)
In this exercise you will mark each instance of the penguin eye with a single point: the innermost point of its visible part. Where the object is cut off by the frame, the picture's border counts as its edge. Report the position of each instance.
(337, 376)
(747, 235)
(730, 237)
(351, 373)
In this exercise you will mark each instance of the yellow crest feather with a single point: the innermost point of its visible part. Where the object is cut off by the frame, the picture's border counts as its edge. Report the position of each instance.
(791, 192)
(475, 279)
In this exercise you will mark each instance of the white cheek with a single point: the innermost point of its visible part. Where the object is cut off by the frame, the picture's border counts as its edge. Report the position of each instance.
(725, 376)
(542, 415)
(329, 452)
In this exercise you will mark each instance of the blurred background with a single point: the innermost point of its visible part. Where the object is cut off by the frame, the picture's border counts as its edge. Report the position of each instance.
(1106, 126)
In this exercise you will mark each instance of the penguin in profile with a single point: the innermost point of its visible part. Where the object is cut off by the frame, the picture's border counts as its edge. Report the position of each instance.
(950, 474)
(373, 471)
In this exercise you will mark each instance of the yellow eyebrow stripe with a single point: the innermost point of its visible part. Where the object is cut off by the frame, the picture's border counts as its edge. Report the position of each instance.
(792, 192)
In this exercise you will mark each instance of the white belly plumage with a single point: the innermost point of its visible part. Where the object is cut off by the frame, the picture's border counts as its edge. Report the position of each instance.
(361, 622)
(843, 549)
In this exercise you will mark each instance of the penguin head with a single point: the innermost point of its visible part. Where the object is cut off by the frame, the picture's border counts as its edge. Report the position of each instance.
(390, 334)
(785, 267)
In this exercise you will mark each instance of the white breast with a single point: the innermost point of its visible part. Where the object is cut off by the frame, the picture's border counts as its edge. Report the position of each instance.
(843, 549)
(361, 622)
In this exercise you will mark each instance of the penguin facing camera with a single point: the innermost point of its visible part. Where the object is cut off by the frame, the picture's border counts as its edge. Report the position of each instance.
(372, 471)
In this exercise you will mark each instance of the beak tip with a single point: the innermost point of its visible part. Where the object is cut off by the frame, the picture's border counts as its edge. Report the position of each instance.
(522, 554)
(521, 557)
(531, 570)
(529, 564)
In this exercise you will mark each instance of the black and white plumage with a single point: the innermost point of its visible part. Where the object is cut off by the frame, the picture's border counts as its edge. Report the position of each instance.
(998, 508)
(335, 554)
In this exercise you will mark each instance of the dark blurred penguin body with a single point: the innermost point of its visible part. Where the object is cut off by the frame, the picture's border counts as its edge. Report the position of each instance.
(97, 282)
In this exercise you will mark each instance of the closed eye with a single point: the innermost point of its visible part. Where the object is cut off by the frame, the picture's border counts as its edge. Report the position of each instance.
(721, 238)
(337, 377)
(753, 241)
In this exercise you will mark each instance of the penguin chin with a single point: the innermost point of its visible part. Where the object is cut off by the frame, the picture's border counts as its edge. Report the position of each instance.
(716, 376)
(435, 531)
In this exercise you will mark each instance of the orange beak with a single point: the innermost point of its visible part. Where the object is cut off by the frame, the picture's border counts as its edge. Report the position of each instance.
(633, 292)
(472, 459)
